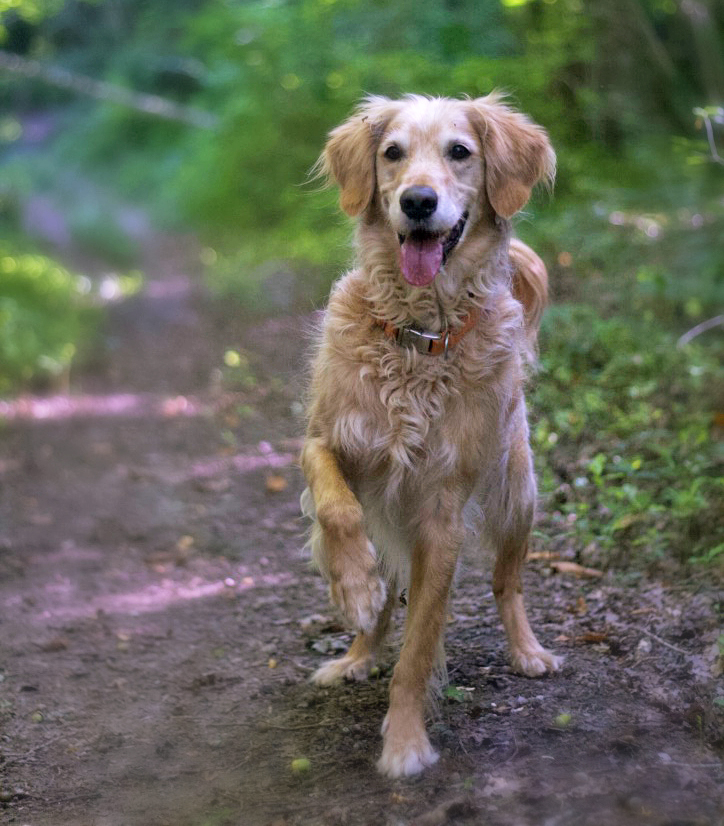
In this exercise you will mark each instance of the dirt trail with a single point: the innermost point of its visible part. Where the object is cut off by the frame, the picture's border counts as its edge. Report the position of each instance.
(158, 623)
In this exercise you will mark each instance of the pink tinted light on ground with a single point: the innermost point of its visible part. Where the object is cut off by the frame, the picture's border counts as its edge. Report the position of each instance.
(62, 600)
(157, 596)
(54, 408)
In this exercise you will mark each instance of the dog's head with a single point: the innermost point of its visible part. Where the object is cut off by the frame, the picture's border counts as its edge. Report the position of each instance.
(436, 168)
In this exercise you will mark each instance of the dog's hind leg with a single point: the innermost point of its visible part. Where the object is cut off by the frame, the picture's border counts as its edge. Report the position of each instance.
(339, 544)
(509, 514)
(357, 662)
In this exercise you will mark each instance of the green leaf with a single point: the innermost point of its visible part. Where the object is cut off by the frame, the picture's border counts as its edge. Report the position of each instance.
(458, 694)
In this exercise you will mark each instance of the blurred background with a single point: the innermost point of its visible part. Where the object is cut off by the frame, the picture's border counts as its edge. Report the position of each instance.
(124, 119)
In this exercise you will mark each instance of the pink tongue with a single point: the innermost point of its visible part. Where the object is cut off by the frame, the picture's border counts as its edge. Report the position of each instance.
(420, 260)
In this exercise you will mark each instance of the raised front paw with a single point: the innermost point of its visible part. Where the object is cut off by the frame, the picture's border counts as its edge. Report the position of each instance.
(359, 593)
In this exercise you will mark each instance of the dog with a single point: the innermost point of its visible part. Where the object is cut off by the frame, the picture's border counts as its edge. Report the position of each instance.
(416, 412)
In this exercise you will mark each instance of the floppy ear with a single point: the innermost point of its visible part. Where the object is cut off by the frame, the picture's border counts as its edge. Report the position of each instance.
(349, 156)
(517, 154)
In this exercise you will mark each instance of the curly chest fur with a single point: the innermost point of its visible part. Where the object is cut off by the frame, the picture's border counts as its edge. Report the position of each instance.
(391, 411)
(412, 412)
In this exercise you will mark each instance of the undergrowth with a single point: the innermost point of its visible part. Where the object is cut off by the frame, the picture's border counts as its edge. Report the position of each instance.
(627, 416)
(626, 429)
(45, 317)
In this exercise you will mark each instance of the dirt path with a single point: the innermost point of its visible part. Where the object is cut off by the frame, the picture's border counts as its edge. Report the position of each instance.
(158, 623)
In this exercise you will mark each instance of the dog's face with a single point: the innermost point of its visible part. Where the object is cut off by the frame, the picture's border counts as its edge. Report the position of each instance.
(436, 169)
(429, 171)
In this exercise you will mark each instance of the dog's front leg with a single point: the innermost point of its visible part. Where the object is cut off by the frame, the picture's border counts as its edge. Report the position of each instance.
(406, 748)
(341, 548)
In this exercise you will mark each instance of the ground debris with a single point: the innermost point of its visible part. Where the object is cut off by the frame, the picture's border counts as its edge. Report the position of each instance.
(446, 812)
(563, 566)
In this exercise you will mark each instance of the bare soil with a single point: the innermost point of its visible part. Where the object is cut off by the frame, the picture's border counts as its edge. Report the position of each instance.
(159, 622)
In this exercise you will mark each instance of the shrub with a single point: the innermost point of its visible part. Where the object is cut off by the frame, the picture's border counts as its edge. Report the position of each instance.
(45, 317)
(625, 424)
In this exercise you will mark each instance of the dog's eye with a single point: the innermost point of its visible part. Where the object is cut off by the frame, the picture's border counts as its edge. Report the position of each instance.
(458, 152)
(393, 152)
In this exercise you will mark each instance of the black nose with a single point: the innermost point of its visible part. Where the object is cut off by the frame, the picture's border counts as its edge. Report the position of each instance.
(418, 202)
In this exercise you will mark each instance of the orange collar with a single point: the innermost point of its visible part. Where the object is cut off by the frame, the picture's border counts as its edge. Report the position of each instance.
(430, 344)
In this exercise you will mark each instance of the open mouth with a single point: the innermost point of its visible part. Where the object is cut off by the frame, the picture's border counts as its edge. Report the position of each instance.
(422, 253)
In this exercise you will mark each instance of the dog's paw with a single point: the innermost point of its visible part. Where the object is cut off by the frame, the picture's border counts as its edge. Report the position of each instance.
(360, 599)
(405, 753)
(360, 595)
(534, 662)
(344, 668)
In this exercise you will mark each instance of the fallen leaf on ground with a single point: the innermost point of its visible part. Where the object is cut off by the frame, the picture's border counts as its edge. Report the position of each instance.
(276, 484)
(544, 555)
(580, 607)
(306, 623)
(564, 567)
(592, 637)
(56, 644)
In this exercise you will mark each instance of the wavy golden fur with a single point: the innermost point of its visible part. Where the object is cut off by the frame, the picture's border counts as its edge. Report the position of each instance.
(401, 442)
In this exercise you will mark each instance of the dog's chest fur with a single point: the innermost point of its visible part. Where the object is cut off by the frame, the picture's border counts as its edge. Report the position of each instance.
(393, 412)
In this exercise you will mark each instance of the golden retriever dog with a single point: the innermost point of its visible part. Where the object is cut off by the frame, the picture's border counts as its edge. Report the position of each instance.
(416, 413)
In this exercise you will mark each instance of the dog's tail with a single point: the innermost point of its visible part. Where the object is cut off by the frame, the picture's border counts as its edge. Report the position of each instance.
(529, 286)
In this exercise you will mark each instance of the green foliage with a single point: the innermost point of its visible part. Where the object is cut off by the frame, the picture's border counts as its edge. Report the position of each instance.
(44, 315)
(458, 694)
(32, 10)
(279, 75)
(625, 424)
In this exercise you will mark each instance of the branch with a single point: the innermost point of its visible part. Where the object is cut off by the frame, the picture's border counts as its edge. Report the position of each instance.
(100, 89)
(709, 324)
(660, 56)
(704, 115)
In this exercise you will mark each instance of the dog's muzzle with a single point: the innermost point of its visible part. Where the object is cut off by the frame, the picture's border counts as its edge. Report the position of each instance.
(423, 252)
(454, 236)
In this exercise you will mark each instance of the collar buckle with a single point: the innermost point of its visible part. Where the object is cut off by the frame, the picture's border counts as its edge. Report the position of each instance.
(425, 342)
(421, 340)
